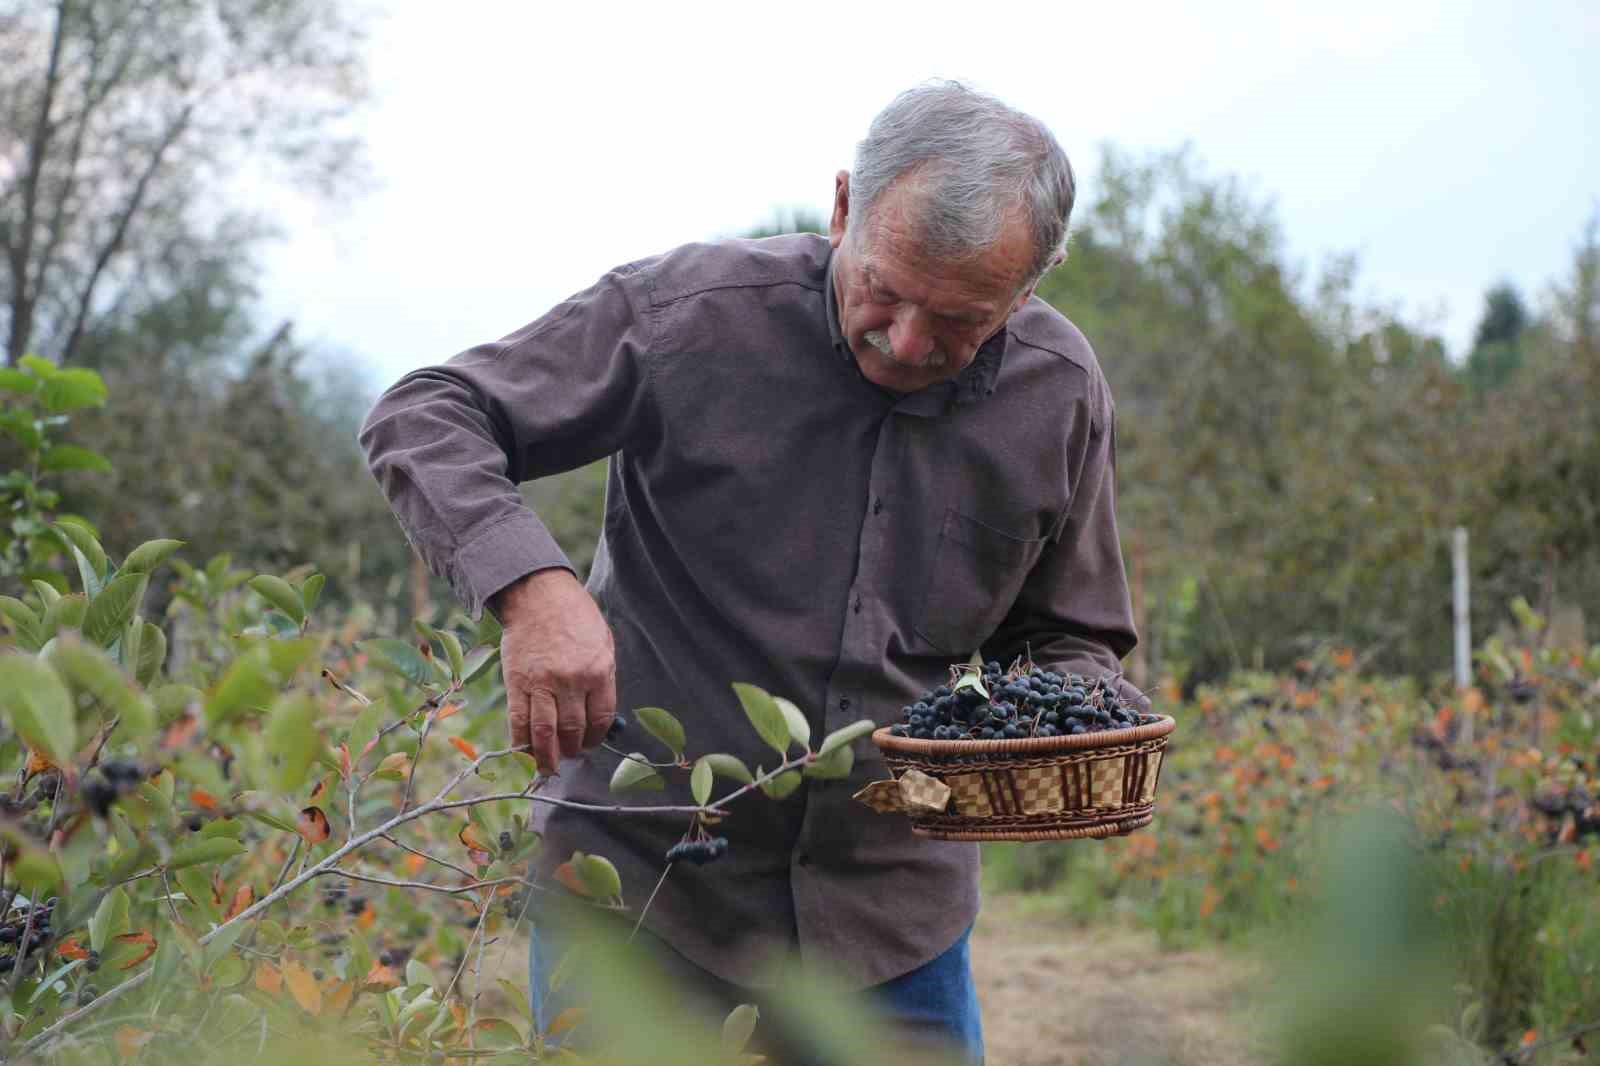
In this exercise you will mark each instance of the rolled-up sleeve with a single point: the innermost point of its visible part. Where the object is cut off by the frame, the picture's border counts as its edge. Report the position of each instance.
(449, 444)
(1074, 613)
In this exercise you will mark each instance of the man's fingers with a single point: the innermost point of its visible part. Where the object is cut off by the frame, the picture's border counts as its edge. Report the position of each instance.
(542, 722)
(570, 723)
(517, 718)
(602, 707)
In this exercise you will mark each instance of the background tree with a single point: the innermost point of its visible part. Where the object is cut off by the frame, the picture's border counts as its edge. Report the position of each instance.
(120, 121)
(1497, 348)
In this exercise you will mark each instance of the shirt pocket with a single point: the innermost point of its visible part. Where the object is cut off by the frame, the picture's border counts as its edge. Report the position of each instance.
(976, 574)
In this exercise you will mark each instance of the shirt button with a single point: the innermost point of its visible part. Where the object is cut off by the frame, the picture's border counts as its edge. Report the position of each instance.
(877, 505)
(844, 703)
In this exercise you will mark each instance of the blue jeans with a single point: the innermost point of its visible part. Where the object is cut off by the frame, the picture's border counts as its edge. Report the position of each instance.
(936, 1002)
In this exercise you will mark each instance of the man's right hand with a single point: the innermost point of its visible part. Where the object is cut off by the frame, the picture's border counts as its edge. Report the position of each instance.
(559, 665)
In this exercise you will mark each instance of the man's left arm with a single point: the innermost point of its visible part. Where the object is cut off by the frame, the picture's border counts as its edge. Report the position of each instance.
(1074, 613)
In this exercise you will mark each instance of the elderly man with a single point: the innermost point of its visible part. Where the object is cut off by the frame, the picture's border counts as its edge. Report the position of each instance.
(837, 466)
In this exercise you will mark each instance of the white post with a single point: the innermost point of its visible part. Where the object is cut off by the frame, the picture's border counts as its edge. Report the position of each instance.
(1458, 558)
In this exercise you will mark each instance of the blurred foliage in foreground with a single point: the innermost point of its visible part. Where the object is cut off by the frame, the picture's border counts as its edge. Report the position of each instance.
(1499, 786)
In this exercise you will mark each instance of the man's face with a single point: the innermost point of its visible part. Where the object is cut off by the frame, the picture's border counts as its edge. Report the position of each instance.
(913, 319)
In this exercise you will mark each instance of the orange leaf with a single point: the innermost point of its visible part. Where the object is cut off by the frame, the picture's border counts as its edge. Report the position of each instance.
(382, 976)
(130, 1040)
(37, 763)
(71, 949)
(1265, 840)
(366, 918)
(303, 987)
(469, 836)
(318, 790)
(463, 747)
(147, 939)
(1530, 1037)
(565, 1020)
(203, 799)
(344, 761)
(343, 993)
(313, 825)
(179, 732)
(446, 711)
(268, 978)
(570, 880)
(414, 864)
(241, 899)
(1209, 902)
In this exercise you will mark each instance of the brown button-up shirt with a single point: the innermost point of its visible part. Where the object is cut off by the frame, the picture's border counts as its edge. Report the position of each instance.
(773, 517)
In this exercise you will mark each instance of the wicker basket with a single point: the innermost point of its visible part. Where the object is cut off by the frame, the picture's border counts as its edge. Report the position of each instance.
(1048, 788)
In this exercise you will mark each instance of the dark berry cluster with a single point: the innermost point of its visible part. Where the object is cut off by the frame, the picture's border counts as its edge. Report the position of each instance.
(618, 724)
(114, 777)
(698, 851)
(16, 922)
(1015, 704)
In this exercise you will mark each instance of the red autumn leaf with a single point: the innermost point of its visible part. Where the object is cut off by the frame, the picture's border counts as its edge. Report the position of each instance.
(179, 732)
(147, 939)
(241, 899)
(570, 880)
(564, 1021)
(463, 747)
(313, 825)
(479, 851)
(71, 949)
(203, 799)
(37, 763)
(382, 976)
(446, 711)
(268, 978)
(219, 891)
(319, 789)
(343, 992)
(344, 761)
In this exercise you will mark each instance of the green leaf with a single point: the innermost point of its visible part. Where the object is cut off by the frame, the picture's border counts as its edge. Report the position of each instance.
(220, 945)
(110, 919)
(281, 594)
(197, 887)
(729, 766)
(633, 773)
(479, 663)
(75, 535)
(799, 728)
(738, 1027)
(248, 683)
(664, 727)
(212, 849)
(110, 611)
(972, 679)
(92, 671)
(364, 729)
(765, 715)
(398, 657)
(17, 381)
(64, 457)
(311, 591)
(700, 781)
(66, 613)
(598, 875)
(28, 626)
(846, 734)
(70, 390)
(222, 827)
(837, 763)
(149, 555)
(152, 653)
(291, 736)
(40, 366)
(38, 707)
(452, 651)
(48, 593)
(780, 787)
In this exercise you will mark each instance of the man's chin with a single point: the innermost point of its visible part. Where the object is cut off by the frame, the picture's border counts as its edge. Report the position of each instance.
(888, 374)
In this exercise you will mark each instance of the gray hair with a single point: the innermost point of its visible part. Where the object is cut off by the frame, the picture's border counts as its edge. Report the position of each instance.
(977, 161)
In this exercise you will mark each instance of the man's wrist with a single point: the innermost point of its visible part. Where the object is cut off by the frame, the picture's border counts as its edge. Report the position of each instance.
(508, 601)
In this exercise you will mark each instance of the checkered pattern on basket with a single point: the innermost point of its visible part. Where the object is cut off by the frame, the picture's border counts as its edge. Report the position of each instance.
(1105, 781)
(923, 793)
(1039, 789)
(1148, 792)
(969, 796)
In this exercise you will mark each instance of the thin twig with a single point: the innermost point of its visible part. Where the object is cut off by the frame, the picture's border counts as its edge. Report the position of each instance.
(1562, 1038)
(372, 880)
(462, 870)
(646, 908)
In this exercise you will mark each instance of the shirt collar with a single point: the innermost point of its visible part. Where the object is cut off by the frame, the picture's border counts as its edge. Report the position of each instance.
(976, 380)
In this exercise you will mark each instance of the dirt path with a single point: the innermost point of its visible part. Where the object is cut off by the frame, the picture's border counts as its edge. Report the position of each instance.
(1058, 995)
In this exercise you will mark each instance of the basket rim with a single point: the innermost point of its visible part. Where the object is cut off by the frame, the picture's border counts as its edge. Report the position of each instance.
(1107, 738)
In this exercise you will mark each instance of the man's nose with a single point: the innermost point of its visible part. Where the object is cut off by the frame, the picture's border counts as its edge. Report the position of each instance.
(910, 336)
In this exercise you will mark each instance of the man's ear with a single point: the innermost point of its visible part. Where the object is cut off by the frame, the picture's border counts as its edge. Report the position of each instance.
(841, 208)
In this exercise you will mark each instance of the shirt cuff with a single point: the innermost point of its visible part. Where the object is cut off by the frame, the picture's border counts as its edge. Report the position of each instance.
(511, 548)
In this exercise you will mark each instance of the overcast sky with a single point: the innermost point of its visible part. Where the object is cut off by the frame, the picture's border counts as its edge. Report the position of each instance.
(520, 149)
